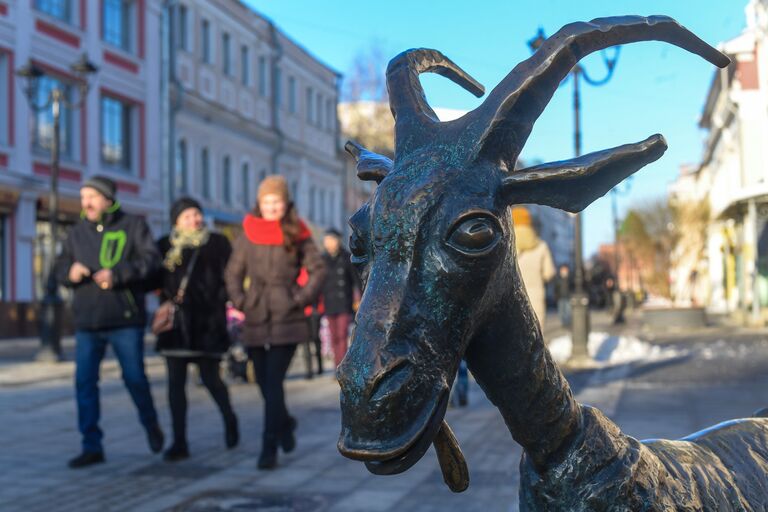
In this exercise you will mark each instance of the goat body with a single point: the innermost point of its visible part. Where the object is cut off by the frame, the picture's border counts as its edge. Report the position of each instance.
(722, 468)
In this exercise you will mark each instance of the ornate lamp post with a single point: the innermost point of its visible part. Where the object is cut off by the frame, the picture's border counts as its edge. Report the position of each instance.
(579, 299)
(50, 310)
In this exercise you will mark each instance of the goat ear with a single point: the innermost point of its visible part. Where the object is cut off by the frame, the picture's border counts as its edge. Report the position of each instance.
(370, 166)
(572, 185)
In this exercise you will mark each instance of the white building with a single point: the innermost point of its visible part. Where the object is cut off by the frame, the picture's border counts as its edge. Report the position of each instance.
(231, 100)
(117, 132)
(247, 101)
(733, 179)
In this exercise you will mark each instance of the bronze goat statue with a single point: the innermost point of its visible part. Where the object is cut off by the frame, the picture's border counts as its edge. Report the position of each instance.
(435, 249)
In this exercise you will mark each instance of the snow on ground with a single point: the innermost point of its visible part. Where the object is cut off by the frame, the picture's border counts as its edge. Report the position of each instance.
(607, 350)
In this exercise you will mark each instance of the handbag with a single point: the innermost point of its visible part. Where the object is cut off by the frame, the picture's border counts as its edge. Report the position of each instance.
(166, 315)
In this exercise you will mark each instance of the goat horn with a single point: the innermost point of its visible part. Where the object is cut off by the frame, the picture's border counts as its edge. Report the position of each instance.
(516, 103)
(406, 96)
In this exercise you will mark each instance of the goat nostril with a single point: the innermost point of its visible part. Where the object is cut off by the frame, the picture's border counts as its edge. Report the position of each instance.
(391, 380)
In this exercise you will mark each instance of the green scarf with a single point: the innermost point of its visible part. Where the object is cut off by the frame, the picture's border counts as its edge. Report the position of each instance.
(181, 240)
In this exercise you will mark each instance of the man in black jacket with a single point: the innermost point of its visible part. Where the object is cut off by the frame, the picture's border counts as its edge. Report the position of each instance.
(107, 259)
(338, 292)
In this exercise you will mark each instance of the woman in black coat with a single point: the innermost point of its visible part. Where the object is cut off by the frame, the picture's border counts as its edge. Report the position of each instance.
(200, 335)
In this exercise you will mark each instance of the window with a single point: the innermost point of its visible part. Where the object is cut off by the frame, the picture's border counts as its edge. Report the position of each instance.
(321, 207)
(319, 114)
(262, 76)
(278, 95)
(226, 182)
(312, 203)
(180, 179)
(245, 69)
(226, 65)
(310, 107)
(4, 98)
(205, 174)
(57, 8)
(205, 41)
(43, 130)
(330, 119)
(246, 186)
(182, 39)
(291, 95)
(332, 208)
(115, 133)
(117, 23)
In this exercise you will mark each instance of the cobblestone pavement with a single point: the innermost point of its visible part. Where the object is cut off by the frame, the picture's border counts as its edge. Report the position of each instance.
(710, 380)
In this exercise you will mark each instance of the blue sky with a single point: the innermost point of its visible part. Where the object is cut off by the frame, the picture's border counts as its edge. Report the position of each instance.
(657, 88)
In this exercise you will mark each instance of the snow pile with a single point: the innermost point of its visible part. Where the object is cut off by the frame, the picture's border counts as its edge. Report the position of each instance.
(607, 350)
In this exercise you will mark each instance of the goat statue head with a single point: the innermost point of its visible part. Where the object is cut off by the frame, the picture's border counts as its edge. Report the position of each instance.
(435, 246)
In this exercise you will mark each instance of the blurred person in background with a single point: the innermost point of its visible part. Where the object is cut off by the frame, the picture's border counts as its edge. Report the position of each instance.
(563, 290)
(192, 281)
(339, 289)
(534, 260)
(108, 260)
(261, 280)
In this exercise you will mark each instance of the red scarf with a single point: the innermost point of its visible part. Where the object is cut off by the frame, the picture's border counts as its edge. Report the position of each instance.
(269, 232)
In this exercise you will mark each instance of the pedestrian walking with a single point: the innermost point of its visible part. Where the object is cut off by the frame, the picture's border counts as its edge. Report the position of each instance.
(261, 280)
(338, 292)
(195, 297)
(563, 290)
(534, 260)
(107, 260)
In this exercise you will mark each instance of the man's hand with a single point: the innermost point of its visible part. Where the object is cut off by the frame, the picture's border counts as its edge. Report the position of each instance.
(77, 272)
(104, 279)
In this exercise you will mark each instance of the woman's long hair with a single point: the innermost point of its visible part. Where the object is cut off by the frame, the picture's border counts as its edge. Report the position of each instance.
(289, 224)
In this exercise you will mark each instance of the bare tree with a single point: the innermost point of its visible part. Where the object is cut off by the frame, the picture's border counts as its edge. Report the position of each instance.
(365, 114)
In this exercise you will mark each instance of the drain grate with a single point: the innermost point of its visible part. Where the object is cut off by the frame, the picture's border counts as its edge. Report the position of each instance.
(229, 501)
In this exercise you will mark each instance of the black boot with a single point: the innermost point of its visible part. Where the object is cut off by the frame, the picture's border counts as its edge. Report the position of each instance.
(86, 459)
(177, 451)
(287, 437)
(231, 432)
(155, 438)
(268, 456)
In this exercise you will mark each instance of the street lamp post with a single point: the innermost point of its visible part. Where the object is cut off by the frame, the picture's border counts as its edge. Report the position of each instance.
(579, 299)
(50, 306)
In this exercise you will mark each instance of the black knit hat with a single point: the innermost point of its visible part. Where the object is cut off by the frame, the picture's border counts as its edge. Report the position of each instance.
(182, 204)
(333, 232)
(102, 185)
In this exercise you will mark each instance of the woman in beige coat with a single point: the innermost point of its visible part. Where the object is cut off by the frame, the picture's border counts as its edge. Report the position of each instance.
(534, 260)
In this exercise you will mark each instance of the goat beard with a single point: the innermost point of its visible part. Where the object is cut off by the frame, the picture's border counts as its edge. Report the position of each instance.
(453, 465)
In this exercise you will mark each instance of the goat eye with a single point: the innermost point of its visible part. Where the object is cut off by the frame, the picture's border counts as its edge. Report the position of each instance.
(475, 235)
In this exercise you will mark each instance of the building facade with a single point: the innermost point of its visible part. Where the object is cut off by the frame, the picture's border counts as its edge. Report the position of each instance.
(116, 132)
(727, 270)
(247, 101)
(191, 97)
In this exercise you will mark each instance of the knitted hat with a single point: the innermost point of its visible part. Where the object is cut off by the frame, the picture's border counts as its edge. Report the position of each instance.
(521, 216)
(102, 185)
(333, 232)
(182, 204)
(274, 184)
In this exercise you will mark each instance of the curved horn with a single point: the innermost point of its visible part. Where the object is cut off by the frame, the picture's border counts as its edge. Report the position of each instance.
(508, 114)
(406, 96)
